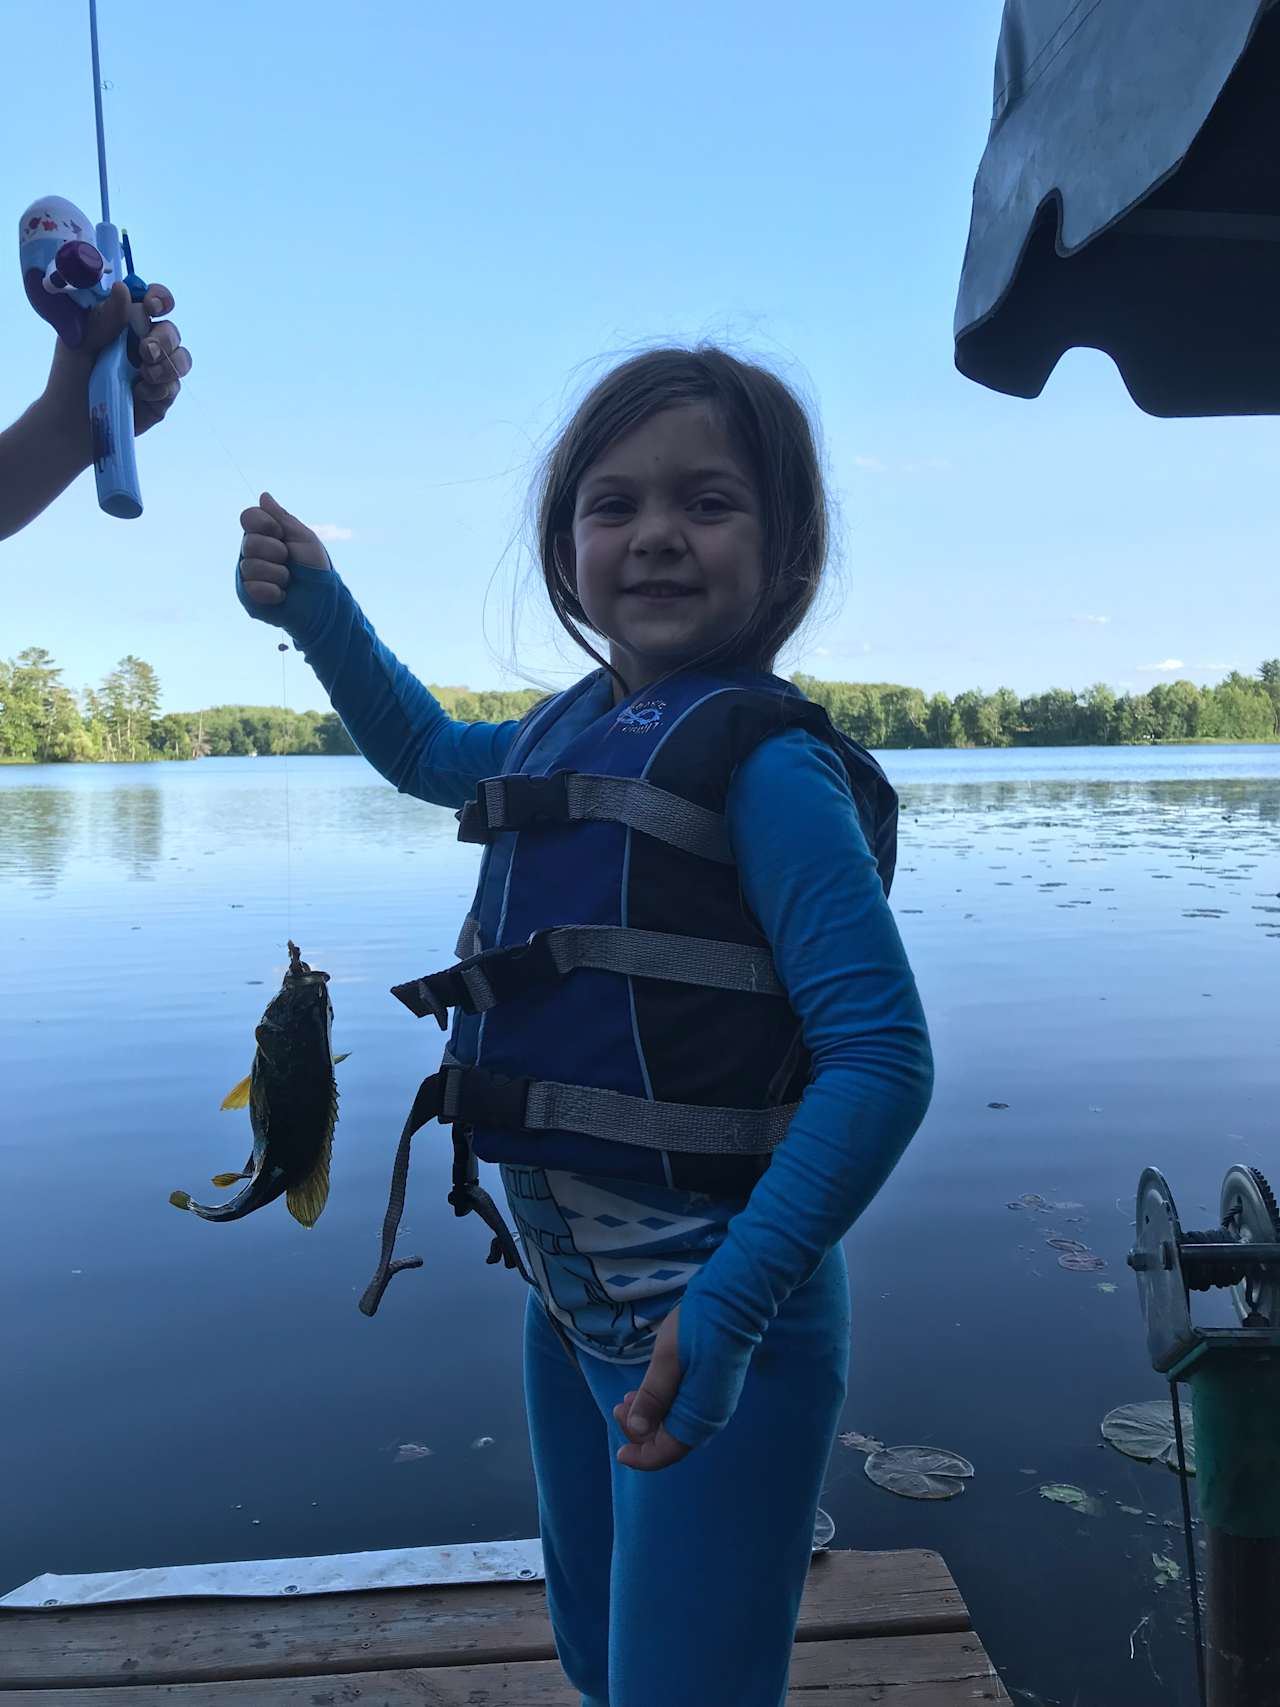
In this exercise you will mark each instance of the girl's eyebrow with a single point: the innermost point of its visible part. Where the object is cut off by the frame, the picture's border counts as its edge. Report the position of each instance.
(712, 473)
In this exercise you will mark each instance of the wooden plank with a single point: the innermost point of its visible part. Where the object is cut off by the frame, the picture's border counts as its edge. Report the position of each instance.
(190, 1641)
(908, 1671)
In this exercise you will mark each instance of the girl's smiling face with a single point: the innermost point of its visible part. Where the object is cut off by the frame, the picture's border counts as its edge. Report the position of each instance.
(667, 544)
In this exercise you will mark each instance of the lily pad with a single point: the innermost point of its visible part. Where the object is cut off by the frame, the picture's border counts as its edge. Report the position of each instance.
(1030, 1200)
(1081, 1262)
(824, 1529)
(1145, 1432)
(1167, 1570)
(919, 1472)
(1073, 1246)
(861, 1442)
(411, 1451)
(1065, 1493)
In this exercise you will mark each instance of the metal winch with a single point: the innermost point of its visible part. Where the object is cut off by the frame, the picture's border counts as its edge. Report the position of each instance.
(1234, 1376)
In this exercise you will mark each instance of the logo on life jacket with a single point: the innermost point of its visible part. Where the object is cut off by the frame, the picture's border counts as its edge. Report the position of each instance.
(642, 718)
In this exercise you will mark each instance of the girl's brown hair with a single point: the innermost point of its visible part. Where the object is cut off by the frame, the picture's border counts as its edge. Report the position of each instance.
(770, 430)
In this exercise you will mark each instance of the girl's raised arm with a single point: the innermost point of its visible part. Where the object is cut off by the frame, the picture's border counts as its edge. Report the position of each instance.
(284, 577)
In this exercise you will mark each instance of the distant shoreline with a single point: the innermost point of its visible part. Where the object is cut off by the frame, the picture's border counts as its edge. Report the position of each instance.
(1010, 747)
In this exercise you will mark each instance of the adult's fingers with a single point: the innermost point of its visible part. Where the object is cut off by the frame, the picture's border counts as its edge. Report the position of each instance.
(158, 300)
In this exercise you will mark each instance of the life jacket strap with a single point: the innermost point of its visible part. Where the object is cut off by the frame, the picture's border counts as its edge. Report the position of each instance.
(477, 1097)
(467, 1196)
(570, 797)
(496, 975)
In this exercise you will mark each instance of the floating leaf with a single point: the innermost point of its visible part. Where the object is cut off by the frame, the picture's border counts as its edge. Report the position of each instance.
(1145, 1432)
(1029, 1200)
(919, 1472)
(1106, 1286)
(1132, 1510)
(410, 1452)
(1080, 1263)
(824, 1529)
(1072, 1245)
(861, 1442)
(1064, 1493)
(1167, 1570)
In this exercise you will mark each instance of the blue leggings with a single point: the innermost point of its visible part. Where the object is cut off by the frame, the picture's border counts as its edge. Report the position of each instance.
(681, 1587)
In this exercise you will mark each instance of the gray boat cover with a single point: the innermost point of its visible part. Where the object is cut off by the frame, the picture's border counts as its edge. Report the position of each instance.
(1129, 201)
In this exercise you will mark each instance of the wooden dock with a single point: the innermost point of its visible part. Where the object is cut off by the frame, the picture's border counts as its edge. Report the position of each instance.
(888, 1628)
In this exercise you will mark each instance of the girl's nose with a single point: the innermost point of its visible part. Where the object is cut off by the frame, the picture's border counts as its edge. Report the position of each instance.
(657, 533)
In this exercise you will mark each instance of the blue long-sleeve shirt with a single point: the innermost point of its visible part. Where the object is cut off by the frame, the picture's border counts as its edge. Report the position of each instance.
(813, 886)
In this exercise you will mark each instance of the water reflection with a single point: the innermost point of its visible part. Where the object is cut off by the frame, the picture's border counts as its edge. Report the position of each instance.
(36, 830)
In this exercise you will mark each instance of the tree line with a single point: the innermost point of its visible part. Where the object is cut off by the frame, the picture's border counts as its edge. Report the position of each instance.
(42, 720)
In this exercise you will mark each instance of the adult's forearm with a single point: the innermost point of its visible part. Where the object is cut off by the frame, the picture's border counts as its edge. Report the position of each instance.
(40, 455)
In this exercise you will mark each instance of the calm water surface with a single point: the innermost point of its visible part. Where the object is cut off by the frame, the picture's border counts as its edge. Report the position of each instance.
(1097, 937)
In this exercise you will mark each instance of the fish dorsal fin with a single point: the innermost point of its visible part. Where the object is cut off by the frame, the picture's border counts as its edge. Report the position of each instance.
(238, 1095)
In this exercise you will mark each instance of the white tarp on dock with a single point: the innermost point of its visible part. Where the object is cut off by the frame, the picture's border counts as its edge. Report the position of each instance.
(336, 1573)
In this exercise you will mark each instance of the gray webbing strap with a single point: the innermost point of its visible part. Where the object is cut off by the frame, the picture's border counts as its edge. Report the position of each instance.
(468, 938)
(687, 1127)
(638, 804)
(647, 954)
(682, 1126)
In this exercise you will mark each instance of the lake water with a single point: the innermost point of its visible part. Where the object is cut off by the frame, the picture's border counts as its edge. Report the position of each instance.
(1097, 938)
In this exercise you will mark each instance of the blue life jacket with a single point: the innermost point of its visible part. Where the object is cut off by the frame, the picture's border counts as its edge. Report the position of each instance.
(616, 1007)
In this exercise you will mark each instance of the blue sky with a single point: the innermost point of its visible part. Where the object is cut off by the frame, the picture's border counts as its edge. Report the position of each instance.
(403, 237)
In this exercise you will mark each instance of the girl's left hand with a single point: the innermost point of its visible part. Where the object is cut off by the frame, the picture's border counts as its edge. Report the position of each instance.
(641, 1413)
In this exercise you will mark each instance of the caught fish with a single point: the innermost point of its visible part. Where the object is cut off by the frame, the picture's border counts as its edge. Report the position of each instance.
(292, 1098)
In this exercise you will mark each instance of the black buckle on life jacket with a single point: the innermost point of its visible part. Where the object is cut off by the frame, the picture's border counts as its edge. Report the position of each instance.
(526, 800)
(507, 971)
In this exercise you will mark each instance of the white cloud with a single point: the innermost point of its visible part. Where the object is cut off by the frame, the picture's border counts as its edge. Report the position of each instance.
(822, 651)
(329, 532)
(871, 464)
(1161, 668)
(1097, 621)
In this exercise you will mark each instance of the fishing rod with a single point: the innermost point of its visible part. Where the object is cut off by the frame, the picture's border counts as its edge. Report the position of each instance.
(66, 276)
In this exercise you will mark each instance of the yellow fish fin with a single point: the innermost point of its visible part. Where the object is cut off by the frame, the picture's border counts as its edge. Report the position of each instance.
(341, 1057)
(180, 1199)
(307, 1199)
(238, 1095)
(230, 1179)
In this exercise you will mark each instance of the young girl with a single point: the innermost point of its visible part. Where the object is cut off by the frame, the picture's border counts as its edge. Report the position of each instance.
(685, 1023)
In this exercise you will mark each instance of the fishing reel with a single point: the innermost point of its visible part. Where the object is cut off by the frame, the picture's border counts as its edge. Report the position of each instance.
(1242, 1254)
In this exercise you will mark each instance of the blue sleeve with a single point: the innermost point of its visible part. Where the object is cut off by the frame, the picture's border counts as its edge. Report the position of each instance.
(401, 729)
(810, 881)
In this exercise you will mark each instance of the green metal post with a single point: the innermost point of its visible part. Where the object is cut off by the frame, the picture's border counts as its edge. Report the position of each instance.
(1236, 1401)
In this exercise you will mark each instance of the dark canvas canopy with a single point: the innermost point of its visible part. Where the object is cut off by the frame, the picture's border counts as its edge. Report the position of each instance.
(1129, 200)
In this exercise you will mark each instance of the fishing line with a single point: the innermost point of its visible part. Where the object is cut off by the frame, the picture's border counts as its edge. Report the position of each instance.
(283, 649)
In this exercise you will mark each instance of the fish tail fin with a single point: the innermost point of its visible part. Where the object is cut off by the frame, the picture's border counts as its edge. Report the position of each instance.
(228, 1179)
(238, 1095)
(180, 1199)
